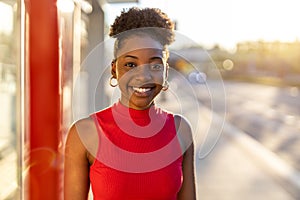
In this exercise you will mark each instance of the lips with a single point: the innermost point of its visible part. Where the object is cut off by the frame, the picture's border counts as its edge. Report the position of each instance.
(143, 91)
(140, 89)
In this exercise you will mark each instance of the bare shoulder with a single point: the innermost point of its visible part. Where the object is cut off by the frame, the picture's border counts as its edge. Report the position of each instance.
(182, 123)
(184, 131)
(80, 128)
(82, 135)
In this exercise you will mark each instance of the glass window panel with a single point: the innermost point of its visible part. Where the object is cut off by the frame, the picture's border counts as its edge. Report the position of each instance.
(9, 57)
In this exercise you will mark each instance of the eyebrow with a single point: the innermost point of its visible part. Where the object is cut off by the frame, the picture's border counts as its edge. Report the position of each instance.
(130, 56)
(152, 58)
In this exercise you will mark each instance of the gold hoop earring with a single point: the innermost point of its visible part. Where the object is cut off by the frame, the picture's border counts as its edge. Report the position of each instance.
(113, 82)
(165, 86)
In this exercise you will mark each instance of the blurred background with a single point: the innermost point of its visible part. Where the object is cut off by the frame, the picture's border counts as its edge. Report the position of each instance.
(254, 45)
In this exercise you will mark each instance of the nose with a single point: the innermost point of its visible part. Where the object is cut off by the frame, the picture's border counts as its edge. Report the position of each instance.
(143, 73)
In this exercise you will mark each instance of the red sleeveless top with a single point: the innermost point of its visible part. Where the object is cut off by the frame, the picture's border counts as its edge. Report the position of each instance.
(139, 155)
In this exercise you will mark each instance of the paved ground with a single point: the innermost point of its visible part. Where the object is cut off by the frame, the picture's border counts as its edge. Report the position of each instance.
(269, 114)
(227, 174)
(8, 174)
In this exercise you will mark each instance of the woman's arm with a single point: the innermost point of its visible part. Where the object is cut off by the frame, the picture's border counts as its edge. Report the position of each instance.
(76, 166)
(187, 191)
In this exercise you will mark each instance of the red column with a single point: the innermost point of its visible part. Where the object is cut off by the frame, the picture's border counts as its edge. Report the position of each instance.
(43, 131)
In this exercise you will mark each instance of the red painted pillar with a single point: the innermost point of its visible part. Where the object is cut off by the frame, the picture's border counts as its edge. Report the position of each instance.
(43, 106)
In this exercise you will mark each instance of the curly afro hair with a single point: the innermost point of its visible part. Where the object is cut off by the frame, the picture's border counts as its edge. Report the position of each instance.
(151, 21)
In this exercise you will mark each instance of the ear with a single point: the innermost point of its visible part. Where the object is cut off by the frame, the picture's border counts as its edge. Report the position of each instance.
(113, 69)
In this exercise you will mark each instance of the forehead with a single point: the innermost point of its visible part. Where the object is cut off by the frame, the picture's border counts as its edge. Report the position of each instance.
(135, 44)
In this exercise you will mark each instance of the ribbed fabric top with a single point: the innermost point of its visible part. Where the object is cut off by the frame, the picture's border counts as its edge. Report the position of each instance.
(139, 156)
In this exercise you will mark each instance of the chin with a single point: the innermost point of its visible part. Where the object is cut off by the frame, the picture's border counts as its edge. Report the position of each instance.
(141, 105)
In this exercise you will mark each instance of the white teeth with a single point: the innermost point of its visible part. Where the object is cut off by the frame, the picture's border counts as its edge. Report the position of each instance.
(141, 90)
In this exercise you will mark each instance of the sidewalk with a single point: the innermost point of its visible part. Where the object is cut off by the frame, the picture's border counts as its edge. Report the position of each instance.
(228, 174)
(237, 167)
(8, 174)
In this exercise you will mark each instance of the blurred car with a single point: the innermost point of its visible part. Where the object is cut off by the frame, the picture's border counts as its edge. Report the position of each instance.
(197, 77)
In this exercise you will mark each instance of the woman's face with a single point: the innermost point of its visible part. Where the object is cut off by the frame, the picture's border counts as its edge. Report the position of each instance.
(141, 70)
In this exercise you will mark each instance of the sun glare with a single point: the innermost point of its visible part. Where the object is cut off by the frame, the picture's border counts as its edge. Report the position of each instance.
(231, 21)
(6, 12)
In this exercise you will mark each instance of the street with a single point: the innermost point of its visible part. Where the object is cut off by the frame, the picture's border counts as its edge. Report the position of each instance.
(269, 114)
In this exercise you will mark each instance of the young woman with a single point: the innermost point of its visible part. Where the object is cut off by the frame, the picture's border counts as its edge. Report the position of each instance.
(133, 149)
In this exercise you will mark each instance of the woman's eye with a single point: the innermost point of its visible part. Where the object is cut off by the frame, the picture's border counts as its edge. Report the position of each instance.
(156, 66)
(130, 65)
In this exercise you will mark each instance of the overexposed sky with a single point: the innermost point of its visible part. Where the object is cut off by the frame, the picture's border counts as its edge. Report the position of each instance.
(226, 22)
(210, 22)
(6, 16)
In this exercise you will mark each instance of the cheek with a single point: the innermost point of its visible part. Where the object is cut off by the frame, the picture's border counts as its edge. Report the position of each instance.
(120, 73)
(124, 77)
(161, 77)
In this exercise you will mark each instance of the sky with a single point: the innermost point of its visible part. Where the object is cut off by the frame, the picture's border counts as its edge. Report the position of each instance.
(211, 22)
(6, 18)
(227, 22)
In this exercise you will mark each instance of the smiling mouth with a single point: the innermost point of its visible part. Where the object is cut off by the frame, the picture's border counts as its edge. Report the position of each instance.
(141, 89)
